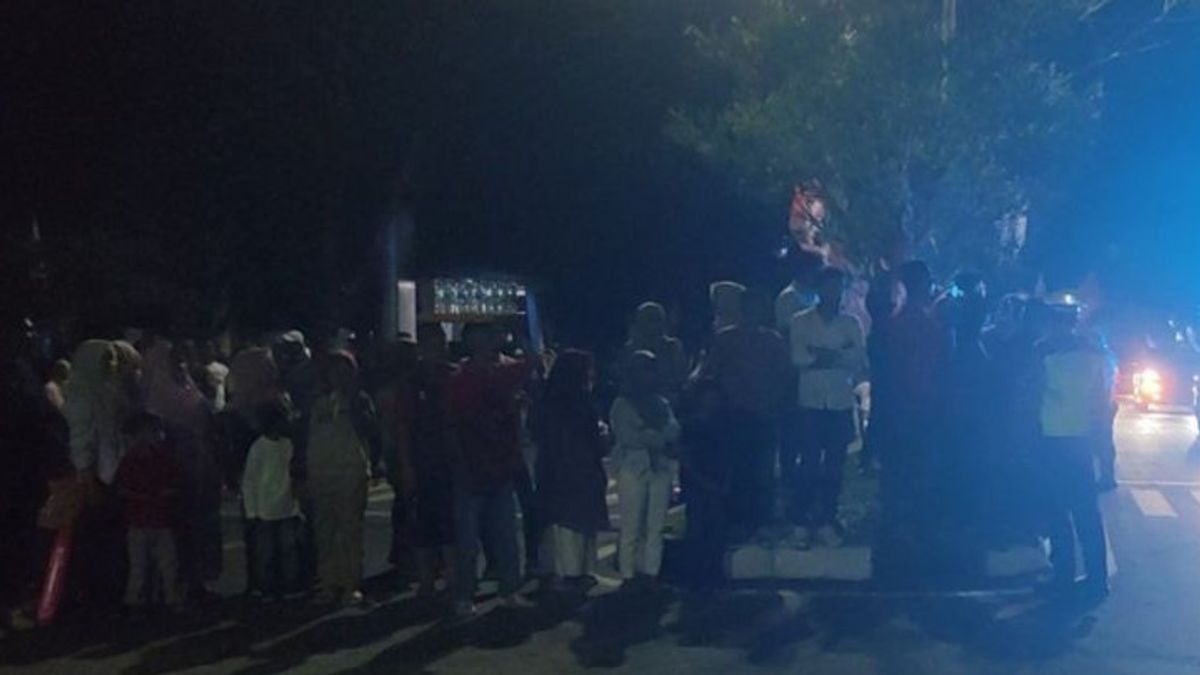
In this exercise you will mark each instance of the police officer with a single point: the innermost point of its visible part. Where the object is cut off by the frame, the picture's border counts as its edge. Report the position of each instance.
(1074, 404)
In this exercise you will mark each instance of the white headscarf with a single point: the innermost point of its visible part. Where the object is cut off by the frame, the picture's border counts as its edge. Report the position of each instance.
(92, 410)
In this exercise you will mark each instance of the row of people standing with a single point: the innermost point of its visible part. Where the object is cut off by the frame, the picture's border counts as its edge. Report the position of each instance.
(306, 434)
(135, 501)
(963, 422)
(985, 437)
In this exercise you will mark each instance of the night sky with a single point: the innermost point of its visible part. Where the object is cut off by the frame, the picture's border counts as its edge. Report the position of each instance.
(188, 155)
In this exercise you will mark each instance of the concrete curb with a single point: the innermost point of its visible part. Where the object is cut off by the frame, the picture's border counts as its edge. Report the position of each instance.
(853, 563)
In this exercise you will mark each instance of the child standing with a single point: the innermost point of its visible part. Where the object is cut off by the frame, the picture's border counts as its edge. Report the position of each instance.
(148, 485)
(270, 504)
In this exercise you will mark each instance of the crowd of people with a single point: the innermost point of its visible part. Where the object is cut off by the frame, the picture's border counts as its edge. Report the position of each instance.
(492, 449)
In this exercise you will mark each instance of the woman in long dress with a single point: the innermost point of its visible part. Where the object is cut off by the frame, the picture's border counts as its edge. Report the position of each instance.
(342, 438)
(570, 473)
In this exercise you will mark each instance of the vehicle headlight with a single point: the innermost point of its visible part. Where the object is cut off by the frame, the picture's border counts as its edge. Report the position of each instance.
(1149, 384)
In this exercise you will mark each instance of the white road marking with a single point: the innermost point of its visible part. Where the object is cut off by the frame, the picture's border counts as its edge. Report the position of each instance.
(1110, 557)
(1159, 483)
(1196, 495)
(1153, 504)
(851, 593)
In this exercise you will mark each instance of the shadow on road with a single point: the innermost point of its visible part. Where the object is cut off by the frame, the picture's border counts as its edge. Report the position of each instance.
(612, 623)
(1030, 632)
(887, 630)
(96, 636)
(242, 628)
(499, 629)
(893, 631)
(338, 633)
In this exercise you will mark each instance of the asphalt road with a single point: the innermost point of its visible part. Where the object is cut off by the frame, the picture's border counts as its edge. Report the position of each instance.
(1147, 627)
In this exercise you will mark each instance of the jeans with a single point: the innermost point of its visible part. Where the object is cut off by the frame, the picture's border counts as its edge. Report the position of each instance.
(531, 523)
(1074, 509)
(276, 554)
(644, 492)
(152, 554)
(492, 517)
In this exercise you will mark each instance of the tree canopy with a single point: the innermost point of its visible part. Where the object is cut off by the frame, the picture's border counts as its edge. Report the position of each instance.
(937, 128)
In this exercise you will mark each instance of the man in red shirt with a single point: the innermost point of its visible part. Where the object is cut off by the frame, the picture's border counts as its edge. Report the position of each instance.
(148, 484)
(912, 360)
(484, 419)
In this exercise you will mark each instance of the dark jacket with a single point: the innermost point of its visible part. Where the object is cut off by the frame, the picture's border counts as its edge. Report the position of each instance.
(570, 474)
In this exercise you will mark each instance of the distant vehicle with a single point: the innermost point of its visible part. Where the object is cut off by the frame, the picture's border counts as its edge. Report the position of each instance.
(1163, 374)
(1159, 385)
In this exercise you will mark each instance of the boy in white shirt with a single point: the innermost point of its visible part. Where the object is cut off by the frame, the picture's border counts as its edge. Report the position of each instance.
(271, 507)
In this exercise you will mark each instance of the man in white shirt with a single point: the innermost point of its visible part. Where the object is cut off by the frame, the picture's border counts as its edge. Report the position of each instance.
(828, 349)
(800, 294)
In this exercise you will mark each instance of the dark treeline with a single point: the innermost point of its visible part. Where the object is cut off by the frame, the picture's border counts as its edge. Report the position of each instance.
(242, 158)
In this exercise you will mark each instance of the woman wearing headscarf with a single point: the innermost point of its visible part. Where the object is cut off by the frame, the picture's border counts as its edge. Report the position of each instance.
(394, 392)
(645, 431)
(95, 406)
(251, 383)
(343, 442)
(171, 394)
(570, 474)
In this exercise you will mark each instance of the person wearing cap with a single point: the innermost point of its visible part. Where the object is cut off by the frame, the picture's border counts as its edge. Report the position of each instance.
(1073, 405)
(300, 368)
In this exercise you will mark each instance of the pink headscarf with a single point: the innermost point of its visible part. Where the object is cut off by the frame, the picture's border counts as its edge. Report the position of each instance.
(170, 391)
(253, 381)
